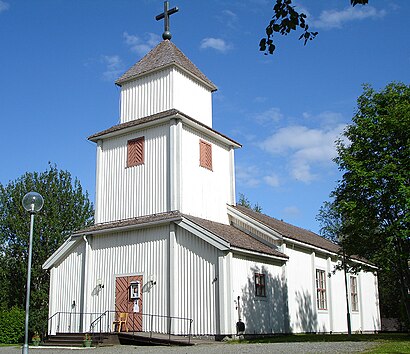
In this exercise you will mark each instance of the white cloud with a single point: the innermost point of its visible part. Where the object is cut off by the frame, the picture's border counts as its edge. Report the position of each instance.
(291, 211)
(114, 67)
(271, 115)
(4, 6)
(329, 19)
(272, 180)
(215, 43)
(247, 175)
(229, 18)
(304, 148)
(139, 45)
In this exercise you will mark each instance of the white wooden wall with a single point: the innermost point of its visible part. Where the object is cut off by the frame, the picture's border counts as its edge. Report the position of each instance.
(260, 314)
(66, 287)
(304, 314)
(163, 90)
(192, 98)
(196, 283)
(140, 252)
(205, 193)
(123, 192)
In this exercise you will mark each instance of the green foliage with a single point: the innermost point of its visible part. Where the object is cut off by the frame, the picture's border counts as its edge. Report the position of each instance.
(371, 202)
(66, 208)
(12, 325)
(244, 201)
(286, 19)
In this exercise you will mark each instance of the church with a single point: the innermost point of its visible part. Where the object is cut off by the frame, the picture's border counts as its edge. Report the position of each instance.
(171, 249)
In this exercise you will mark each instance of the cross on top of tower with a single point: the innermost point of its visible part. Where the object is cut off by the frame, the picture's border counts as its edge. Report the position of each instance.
(165, 15)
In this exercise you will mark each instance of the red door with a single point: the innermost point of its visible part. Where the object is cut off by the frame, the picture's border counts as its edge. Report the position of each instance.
(124, 302)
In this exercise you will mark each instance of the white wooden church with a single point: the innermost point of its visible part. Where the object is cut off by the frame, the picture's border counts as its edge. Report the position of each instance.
(170, 247)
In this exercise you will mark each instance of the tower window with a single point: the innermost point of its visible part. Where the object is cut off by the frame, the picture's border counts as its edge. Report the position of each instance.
(205, 154)
(135, 152)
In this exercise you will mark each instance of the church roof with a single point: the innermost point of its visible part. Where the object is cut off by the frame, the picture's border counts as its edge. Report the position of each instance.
(141, 220)
(164, 54)
(152, 118)
(290, 231)
(228, 233)
(235, 237)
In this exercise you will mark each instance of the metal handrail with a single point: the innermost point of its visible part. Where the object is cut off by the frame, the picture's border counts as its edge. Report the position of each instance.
(70, 315)
(98, 319)
(106, 314)
(151, 317)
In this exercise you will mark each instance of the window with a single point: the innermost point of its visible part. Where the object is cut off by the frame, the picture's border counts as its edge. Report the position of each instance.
(354, 299)
(205, 154)
(260, 288)
(135, 152)
(321, 289)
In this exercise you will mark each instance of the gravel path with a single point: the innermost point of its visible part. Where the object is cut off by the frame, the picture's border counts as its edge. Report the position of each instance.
(214, 348)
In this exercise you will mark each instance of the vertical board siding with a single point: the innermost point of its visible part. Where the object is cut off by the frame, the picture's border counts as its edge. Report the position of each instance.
(140, 252)
(192, 97)
(126, 192)
(300, 291)
(205, 193)
(167, 89)
(146, 96)
(196, 284)
(260, 314)
(66, 288)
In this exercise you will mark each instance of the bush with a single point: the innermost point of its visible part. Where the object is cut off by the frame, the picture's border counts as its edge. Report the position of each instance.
(12, 325)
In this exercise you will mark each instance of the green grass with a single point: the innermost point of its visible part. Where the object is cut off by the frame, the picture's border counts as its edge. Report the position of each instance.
(391, 346)
(281, 338)
(386, 342)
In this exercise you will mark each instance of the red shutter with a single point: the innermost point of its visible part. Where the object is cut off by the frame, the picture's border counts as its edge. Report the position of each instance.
(135, 152)
(205, 154)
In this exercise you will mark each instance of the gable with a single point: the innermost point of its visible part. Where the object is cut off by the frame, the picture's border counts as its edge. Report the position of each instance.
(288, 231)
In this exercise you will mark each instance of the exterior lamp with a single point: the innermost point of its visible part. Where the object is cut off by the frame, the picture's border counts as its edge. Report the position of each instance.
(32, 202)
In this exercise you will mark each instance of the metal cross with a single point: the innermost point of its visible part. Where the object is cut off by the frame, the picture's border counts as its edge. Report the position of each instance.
(165, 15)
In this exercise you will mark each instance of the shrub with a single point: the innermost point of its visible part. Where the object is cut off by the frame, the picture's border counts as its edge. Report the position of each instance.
(12, 325)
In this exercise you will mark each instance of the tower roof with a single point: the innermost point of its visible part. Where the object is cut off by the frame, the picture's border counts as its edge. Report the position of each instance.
(164, 54)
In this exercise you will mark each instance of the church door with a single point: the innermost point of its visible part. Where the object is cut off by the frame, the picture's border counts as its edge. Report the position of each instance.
(128, 298)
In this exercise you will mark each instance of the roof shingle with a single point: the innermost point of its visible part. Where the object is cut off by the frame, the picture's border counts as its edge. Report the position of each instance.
(164, 54)
(235, 237)
(290, 231)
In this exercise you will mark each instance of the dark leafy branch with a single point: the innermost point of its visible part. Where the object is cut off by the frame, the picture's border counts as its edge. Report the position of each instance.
(286, 19)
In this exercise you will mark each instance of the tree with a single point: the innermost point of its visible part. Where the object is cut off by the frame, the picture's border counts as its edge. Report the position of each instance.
(66, 208)
(286, 19)
(370, 206)
(244, 201)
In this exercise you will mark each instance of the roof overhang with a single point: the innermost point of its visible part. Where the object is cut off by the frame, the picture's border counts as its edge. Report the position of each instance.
(204, 234)
(258, 226)
(258, 254)
(66, 247)
(212, 87)
(162, 118)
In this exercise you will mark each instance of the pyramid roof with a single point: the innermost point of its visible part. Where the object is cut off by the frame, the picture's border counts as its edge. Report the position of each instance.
(163, 55)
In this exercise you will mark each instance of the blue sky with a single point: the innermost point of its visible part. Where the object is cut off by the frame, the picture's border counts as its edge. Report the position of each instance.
(59, 60)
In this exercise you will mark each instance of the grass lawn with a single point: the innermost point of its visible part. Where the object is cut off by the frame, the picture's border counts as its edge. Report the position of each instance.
(389, 342)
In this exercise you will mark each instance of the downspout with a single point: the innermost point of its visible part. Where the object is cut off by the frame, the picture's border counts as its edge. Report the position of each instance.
(84, 281)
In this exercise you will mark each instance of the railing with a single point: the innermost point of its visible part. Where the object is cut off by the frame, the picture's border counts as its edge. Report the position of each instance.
(70, 322)
(146, 323)
(99, 323)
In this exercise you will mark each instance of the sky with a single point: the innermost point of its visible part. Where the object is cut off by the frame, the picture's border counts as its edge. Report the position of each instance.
(59, 60)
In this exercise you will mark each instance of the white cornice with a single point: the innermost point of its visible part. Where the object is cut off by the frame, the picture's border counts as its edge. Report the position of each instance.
(204, 234)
